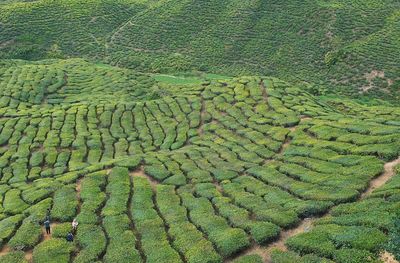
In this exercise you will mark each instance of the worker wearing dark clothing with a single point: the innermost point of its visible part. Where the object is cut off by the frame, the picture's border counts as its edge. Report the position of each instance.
(47, 226)
(70, 237)
(48, 214)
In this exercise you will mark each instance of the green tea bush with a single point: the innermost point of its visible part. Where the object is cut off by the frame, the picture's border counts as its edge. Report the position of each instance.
(13, 257)
(227, 240)
(278, 256)
(13, 203)
(187, 239)
(92, 242)
(27, 235)
(8, 225)
(121, 246)
(151, 227)
(52, 250)
(118, 189)
(61, 230)
(64, 204)
(249, 259)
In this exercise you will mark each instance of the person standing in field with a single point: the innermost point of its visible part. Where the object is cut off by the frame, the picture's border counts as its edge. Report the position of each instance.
(47, 226)
(74, 224)
(70, 237)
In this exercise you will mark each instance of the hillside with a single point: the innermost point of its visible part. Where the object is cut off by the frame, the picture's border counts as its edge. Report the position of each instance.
(199, 131)
(346, 47)
(213, 171)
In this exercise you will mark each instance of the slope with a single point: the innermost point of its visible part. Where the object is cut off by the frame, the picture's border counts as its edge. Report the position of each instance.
(348, 47)
(199, 173)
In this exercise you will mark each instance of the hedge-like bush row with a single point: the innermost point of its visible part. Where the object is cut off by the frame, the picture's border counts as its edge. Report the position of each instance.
(188, 240)
(153, 236)
(354, 232)
(118, 189)
(227, 240)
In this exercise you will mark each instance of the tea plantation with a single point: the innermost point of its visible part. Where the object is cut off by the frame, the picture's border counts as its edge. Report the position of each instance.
(199, 131)
(349, 47)
(156, 169)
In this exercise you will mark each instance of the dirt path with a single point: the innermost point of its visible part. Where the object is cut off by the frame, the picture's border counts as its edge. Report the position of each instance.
(4, 250)
(200, 130)
(388, 173)
(387, 257)
(78, 188)
(292, 129)
(264, 91)
(48, 236)
(307, 223)
(140, 173)
(265, 252)
(285, 145)
(29, 255)
(78, 195)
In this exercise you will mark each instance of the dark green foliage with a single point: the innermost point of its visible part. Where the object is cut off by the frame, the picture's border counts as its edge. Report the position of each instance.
(190, 168)
(27, 235)
(13, 257)
(278, 256)
(347, 46)
(249, 259)
(64, 204)
(53, 250)
(118, 188)
(8, 225)
(92, 241)
(393, 244)
(61, 230)
(121, 247)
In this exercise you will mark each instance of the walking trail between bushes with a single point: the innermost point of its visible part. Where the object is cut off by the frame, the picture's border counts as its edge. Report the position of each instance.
(307, 223)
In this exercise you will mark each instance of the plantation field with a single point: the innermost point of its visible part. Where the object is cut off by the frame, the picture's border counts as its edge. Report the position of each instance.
(160, 168)
(200, 131)
(350, 47)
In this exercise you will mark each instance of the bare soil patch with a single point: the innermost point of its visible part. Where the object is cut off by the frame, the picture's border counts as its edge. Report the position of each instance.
(386, 257)
(4, 250)
(388, 173)
(140, 173)
(370, 77)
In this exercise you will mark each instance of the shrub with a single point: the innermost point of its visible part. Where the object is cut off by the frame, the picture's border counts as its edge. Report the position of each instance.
(157, 171)
(64, 204)
(13, 257)
(8, 225)
(118, 189)
(350, 255)
(92, 241)
(54, 250)
(61, 230)
(393, 244)
(13, 203)
(249, 259)
(27, 235)
(263, 232)
(278, 256)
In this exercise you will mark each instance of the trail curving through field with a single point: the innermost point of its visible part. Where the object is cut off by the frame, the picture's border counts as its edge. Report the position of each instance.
(306, 224)
(389, 172)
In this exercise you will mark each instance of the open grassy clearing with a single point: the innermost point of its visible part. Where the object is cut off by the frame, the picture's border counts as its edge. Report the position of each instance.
(156, 171)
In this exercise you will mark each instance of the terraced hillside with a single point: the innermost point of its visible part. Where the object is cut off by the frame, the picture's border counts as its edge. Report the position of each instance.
(351, 47)
(221, 170)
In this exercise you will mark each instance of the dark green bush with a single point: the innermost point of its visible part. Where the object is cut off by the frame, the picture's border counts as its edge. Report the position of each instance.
(54, 250)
